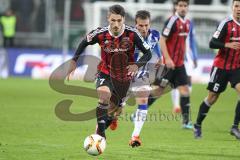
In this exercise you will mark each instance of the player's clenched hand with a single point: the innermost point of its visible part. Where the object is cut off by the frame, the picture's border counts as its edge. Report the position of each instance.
(132, 69)
(233, 45)
(169, 63)
(71, 68)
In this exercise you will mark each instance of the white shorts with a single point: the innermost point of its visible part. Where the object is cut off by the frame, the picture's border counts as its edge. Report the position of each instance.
(144, 79)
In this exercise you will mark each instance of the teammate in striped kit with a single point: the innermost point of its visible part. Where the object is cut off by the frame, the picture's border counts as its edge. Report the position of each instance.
(173, 47)
(226, 68)
(190, 62)
(141, 83)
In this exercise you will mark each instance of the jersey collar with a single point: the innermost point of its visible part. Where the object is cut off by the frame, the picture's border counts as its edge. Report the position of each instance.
(122, 31)
(231, 16)
(181, 19)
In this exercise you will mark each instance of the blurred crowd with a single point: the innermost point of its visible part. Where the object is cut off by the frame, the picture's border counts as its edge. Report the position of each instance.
(41, 17)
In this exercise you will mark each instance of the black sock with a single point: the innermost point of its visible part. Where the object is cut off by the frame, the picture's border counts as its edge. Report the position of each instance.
(202, 113)
(109, 121)
(101, 113)
(185, 106)
(151, 100)
(237, 116)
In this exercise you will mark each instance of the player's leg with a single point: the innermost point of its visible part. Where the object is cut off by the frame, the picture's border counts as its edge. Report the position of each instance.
(176, 96)
(161, 85)
(217, 84)
(114, 122)
(141, 90)
(175, 93)
(181, 82)
(140, 115)
(203, 111)
(175, 100)
(156, 92)
(117, 101)
(185, 105)
(235, 82)
(113, 113)
(235, 130)
(104, 94)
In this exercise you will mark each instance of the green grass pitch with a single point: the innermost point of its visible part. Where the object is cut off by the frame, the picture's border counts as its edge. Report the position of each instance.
(30, 130)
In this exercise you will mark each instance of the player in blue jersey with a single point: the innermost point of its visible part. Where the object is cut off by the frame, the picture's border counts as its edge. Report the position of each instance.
(141, 84)
(190, 63)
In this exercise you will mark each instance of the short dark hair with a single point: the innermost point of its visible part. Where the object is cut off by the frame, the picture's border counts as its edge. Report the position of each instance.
(117, 9)
(143, 14)
(175, 2)
(235, 0)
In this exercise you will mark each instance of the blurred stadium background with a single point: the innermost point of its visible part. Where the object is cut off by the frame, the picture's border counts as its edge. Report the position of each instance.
(48, 31)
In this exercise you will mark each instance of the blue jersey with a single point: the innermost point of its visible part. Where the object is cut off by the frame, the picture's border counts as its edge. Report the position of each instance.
(153, 41)
(191, 49)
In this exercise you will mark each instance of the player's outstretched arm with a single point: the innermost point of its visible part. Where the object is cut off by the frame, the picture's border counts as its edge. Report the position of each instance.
(73, 62)
(71, 68)
(233, 45)
(217, 44)
(144, 47)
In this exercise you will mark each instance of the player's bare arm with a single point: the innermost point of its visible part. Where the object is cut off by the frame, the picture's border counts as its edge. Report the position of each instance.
(73, 61)
(217, 44)
(168, 61)
(233, 45)
(71, 68)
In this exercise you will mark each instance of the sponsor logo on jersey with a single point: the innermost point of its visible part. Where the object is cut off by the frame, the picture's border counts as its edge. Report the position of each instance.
(183, 34)
(166, 31)
(216, 34)
(109, 50)
(89, 37)
(123, 46)
(235, 38)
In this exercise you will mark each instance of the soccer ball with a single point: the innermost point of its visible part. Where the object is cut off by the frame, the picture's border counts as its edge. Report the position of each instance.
(94, 144)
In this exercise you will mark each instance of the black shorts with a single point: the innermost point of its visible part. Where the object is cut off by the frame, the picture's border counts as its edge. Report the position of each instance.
(176, 77)
(118, 89)
(219, 79)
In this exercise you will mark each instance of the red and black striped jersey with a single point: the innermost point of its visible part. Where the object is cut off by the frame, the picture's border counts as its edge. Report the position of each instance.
(117, 52)
(176, 31)
(227, 31)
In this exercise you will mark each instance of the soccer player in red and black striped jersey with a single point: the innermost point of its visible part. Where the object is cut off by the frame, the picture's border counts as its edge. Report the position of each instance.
(226, 67)
(117, 66)
(173, 46)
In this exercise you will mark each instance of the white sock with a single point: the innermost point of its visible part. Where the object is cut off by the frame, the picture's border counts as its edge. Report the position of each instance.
(141, 116)
(175, 97)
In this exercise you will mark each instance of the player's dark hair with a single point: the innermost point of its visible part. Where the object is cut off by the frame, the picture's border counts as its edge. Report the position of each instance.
(235, 0)
(142, 14)
(117, 9)
(175, 2)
